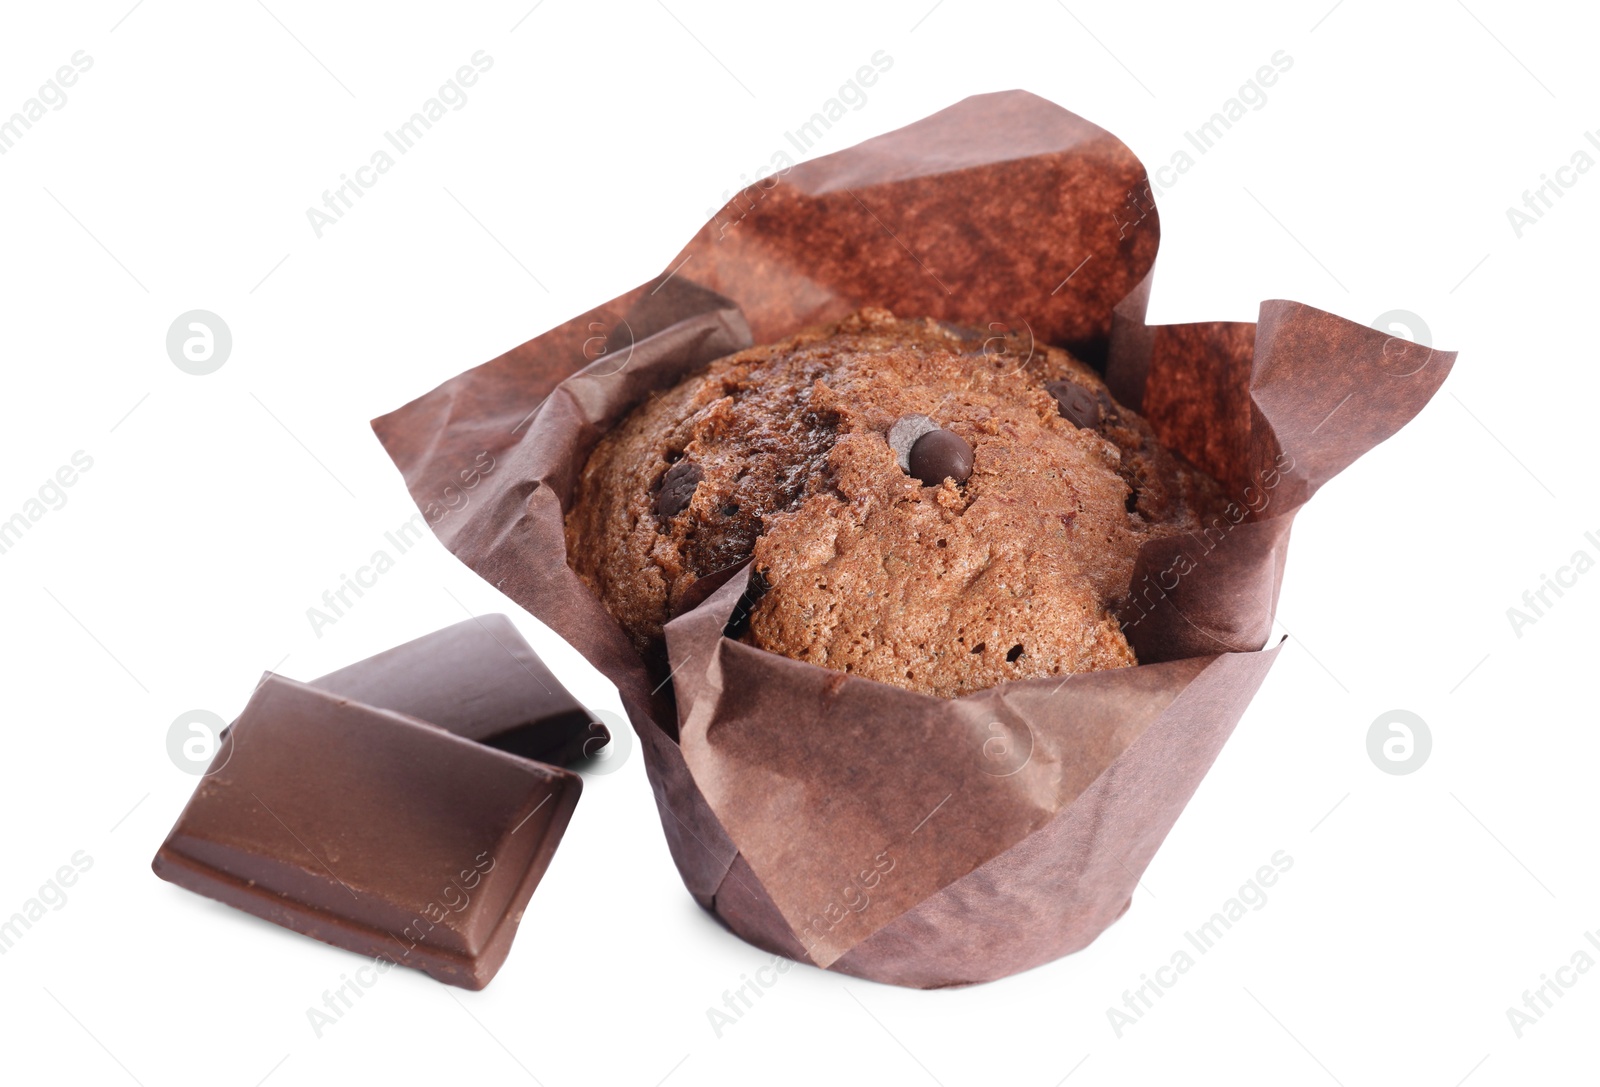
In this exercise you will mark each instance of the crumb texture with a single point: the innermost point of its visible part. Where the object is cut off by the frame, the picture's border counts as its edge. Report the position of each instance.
(781, 454)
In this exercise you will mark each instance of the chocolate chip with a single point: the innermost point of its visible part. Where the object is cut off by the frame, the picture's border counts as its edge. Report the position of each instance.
(677, 487)
(1079, 406)
(904, 434)
(939, 455)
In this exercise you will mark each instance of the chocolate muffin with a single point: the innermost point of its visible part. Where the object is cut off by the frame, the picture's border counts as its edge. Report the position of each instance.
(924, 505)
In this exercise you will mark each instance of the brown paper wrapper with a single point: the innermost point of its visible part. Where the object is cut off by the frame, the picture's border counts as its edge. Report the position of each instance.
(866, 828)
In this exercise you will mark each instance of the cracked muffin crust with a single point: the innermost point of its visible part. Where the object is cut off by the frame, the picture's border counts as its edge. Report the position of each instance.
(1009, 566)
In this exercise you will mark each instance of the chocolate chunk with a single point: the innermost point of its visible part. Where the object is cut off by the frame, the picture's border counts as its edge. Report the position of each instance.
(371, 831)
(904, 434)
(941, 454)
(677, 488)
(1078, 405)
(479, 679)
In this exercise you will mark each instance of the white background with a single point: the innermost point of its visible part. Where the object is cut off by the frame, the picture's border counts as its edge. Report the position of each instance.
(1377, 176)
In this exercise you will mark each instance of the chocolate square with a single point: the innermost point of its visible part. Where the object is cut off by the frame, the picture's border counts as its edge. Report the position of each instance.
(479, 679)
(371, 831)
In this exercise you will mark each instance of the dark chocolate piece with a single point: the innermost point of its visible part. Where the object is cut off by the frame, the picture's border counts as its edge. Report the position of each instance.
(677, 488)
(1078, 405)
(939, 455)
(479, 679)
(371, 831)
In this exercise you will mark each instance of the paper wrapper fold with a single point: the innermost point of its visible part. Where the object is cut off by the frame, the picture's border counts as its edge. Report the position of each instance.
(862, 827)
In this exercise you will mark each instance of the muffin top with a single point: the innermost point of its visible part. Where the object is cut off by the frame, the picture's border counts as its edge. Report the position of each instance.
(924, 505)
